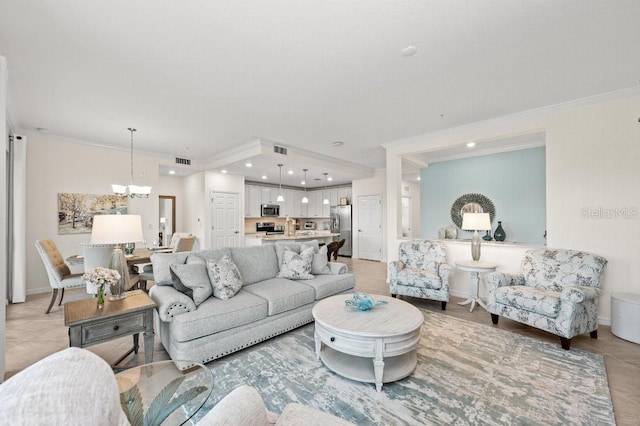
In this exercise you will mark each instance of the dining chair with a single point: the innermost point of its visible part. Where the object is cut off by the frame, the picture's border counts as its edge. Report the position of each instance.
(60, 276)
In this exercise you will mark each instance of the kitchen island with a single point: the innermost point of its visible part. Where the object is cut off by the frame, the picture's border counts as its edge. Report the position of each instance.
(258, 239)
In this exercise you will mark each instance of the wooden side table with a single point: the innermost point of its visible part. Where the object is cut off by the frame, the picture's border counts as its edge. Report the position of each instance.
(89, 325)
(475, 268)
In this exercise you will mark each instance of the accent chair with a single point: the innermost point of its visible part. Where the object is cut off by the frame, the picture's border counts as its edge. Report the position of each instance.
(421, 271)
(96, 255)
(557, 291)
(60, 276)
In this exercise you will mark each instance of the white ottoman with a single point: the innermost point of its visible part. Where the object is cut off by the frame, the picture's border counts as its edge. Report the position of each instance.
(625, 316)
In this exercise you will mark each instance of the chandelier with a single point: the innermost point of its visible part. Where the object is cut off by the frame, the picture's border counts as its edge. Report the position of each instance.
(132, 190)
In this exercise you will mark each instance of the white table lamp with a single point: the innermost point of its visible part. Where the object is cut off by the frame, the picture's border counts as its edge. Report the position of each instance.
(117, 229)
(476, 222)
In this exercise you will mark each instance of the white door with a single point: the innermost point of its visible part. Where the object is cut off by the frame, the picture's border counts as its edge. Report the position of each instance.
(225, 220)
(370, 227)
(407, 219)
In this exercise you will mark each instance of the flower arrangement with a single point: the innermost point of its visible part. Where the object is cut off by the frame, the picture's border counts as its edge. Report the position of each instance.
(100, 277)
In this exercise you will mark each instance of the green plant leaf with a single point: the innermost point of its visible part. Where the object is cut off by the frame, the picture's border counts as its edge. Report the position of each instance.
(131, 402)
(177, 402)
(160, 402)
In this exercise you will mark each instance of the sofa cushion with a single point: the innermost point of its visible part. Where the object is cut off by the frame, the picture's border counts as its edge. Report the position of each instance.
(215, 315)
(328, 285)
(224, 276)
(537, 300)
(242, 406)
(313, 243)
(320, 262)
(296, 266)
(419, 278)
(282, 294)
(161, 266)
(193, 281)
(256, 263)
(204, 255)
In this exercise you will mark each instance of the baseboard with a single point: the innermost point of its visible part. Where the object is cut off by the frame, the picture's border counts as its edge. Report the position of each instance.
(40, 290)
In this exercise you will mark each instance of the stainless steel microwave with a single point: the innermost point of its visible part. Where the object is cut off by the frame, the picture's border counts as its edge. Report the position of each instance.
(270, 210)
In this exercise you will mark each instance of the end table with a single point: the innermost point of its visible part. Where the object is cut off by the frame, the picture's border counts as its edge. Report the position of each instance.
(475, 268)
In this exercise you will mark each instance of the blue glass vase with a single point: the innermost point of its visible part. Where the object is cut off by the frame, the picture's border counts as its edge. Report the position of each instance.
(499, 233)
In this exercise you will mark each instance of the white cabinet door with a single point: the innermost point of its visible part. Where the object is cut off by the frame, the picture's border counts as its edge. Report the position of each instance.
(253, 200)
(284, 205)
(345, 192)
(268, 196)
(333, 197)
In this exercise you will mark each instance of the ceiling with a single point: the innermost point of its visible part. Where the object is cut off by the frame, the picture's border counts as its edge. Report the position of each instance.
(213, 81)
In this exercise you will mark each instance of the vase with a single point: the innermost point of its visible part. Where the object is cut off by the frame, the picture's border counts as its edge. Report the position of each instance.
(100, 297)
(487, 236)
(499, 233)
(129, 248)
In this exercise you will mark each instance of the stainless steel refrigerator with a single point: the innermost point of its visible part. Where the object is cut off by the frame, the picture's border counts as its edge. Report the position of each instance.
(340, 222)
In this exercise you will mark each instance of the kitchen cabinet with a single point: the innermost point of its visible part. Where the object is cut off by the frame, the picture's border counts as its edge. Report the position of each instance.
(299, 209)
(344, 191)
(252, 201)
(269, 195)
(333, 197)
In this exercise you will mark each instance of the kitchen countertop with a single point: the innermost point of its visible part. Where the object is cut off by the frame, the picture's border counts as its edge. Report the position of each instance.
(298, 236)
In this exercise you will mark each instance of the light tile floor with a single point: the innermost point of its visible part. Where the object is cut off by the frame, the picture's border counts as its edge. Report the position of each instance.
(31, 335)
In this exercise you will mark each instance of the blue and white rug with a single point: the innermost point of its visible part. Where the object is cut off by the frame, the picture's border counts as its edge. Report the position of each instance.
(467, 373)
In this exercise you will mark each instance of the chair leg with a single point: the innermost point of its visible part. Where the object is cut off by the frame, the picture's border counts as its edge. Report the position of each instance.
(566, 343)
(594, 334)
(61, 297)
(54, 294)
(494, 318)
(444, 306)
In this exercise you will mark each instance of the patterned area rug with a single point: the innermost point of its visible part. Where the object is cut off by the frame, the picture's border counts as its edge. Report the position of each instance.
(467, 373)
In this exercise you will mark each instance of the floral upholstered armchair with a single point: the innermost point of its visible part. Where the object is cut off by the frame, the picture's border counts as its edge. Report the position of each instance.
(421, 271)
(558, 291)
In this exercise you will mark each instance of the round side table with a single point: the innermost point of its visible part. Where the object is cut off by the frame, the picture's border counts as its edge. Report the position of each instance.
(476, 268)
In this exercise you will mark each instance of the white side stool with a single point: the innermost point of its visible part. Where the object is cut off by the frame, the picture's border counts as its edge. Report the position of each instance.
(625, 316)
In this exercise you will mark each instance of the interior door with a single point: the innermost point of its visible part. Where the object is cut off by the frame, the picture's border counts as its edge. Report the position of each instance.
(225, 220)
(370, 227)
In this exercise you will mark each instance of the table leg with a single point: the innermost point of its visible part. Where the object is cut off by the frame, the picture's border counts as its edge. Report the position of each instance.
(136, 344)
(378, 366)
(318, 344)
(148, 337)
(75, 337)
(473, 298)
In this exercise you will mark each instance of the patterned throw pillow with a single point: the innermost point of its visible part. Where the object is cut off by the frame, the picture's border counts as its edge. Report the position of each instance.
(296, 266)
(192, 280)
(224, 276)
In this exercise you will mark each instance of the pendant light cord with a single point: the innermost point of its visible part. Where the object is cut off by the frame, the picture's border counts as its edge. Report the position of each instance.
(131, 129)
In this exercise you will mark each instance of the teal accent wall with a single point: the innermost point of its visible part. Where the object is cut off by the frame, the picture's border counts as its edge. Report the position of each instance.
(514, 181)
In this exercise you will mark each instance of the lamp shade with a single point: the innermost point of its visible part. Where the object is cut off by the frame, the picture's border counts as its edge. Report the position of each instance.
(476, 222)
(116, 229)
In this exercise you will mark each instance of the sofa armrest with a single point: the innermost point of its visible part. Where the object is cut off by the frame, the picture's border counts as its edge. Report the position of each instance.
(578, 294)
(445, 271)
(170, 302)
(338, 268)
(394, 267)
(502, 279)
(242, 406)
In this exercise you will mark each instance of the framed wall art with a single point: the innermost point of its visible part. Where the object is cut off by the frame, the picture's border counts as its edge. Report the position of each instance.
(76, 210)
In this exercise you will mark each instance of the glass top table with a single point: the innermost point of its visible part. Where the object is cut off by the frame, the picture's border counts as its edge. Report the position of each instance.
(164, 393)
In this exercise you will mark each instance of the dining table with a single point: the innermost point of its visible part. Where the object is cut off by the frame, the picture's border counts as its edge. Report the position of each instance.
(142, 255)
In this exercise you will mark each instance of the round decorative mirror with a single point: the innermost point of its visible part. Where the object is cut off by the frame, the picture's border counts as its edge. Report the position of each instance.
(471, 203)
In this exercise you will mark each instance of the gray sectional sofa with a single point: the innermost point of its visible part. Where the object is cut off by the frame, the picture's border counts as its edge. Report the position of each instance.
(265, 306)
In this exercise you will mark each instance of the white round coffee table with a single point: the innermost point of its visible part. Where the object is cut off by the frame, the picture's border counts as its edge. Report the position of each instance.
(348, 340)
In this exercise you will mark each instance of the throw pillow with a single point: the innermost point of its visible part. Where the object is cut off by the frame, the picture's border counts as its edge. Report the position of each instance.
(192, 280)
(313, 243)
(296, 266)
(320, 265)
(224, 276)
(161, 266)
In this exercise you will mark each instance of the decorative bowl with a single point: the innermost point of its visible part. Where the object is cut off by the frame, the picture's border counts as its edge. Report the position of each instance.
(363, 302)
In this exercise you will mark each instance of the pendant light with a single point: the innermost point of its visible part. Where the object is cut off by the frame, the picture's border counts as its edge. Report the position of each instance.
(280, 198)
(326, 199)
(305, 200)
(132, 190)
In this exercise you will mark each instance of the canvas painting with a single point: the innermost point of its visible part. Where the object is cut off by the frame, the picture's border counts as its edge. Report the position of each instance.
(76, 211)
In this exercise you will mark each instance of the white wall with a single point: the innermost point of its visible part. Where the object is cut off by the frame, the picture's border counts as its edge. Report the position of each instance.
(593, 152)
(412, 189)
(371, 186)
(56, 164)
(195, 207)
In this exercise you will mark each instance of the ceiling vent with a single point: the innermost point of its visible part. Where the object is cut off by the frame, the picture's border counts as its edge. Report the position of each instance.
(183, 161)
(280, 150)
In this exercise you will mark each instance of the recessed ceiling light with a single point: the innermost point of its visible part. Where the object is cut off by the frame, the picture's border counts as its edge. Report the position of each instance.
(290, 172)
(223, 171)
(172, 172)
(409, 51)
(248, 164)
(329, 178)
(471, 144)
(42, 130)
(264, 176)
(418, 178)
(302, 182)
(337, 143)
